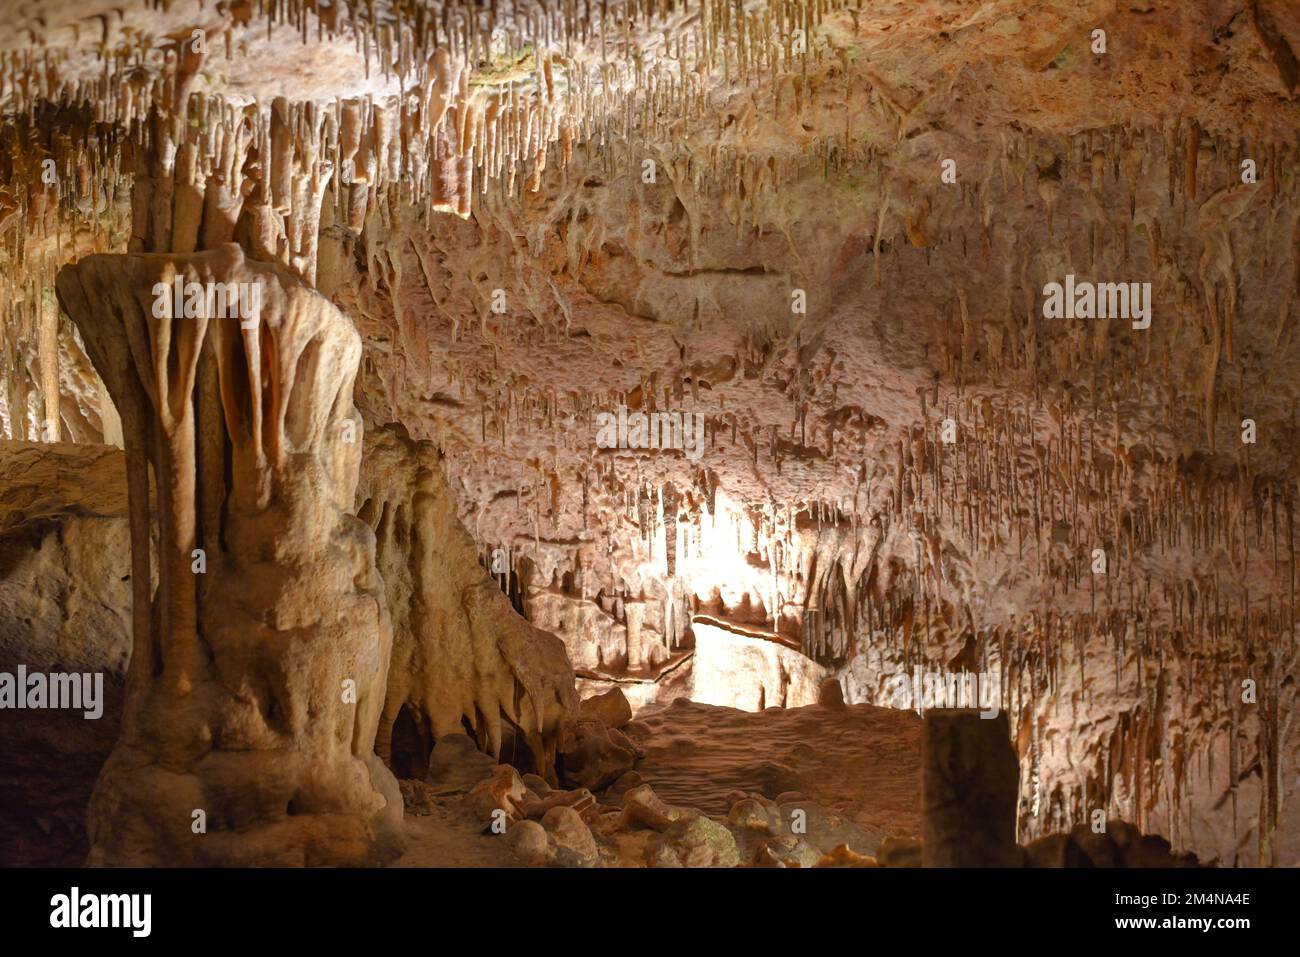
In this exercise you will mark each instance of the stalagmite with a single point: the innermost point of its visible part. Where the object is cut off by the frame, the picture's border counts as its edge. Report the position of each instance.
(635, 612)
(968, 791)
(217, 693)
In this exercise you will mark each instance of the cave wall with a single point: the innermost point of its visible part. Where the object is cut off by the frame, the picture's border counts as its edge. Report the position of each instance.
(65, 606)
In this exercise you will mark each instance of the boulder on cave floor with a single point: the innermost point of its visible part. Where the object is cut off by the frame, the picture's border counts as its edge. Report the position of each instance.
(457, 765)
(593, 755)
(693, 840)
(612, 708)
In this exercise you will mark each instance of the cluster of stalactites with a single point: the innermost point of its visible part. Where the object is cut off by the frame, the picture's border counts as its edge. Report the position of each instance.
(60, 183)
(208, 173)
(485, 93)
(1171, 579)
(1040, 490)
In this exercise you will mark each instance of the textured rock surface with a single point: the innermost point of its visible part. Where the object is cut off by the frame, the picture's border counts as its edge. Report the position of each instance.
(693, 840)
(457, 764)
(461, 652)
(593, 755)
(735, 670)
(574, 844)
(531, 844)
(610, 708)
(65, 606)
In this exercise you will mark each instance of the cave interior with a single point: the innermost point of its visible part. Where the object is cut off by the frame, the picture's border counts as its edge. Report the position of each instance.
(654, 433)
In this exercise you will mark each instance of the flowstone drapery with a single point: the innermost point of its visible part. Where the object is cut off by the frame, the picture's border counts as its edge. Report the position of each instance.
(461, 653)
(258, 665)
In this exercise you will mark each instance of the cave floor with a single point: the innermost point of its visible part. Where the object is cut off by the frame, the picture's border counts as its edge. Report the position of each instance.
(449, 837)
(851, 770)
(860, 761)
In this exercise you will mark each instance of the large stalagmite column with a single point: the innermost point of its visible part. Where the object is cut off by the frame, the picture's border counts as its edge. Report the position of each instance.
(258, 667)
(48, 350)
(969, 779)
(635, 614)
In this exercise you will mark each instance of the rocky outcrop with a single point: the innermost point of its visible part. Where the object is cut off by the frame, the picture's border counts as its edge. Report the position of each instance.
(593, 755)
(462, 656)
(693, 840)
(611, 708)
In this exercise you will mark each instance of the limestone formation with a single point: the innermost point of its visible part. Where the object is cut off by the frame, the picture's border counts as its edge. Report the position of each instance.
(593, 755)
(457, 764)
(693, 840)
(531, 844)
(461, 653)
(62, 510)
(262, 654)
(611, 708)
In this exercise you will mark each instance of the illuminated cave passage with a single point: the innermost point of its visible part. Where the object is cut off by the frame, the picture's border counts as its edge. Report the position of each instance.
(775, 434)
